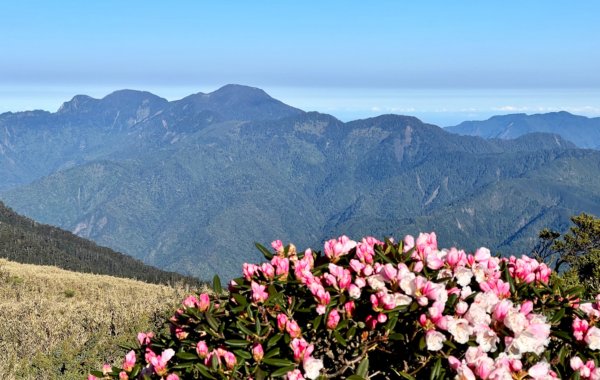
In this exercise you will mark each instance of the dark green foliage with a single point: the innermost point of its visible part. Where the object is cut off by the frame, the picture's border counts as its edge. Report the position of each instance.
(576, 253)
(26, 241)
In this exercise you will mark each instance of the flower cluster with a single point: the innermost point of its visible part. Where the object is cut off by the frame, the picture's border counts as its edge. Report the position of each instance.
(399, 310)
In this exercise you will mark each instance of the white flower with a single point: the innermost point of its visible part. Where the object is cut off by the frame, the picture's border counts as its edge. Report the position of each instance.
(463, 275)
(488, 300)
(540, 371)
(407, 283)
(402, 299)
(515, 321)
(460, 329)
(592, 338)
(477, 315)
(486, 338)
(354, 291)
(376, 282)
(312, 367)
(435, 340)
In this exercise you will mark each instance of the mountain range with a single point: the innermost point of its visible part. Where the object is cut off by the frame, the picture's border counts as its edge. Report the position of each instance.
(582, 131)
(190, 185)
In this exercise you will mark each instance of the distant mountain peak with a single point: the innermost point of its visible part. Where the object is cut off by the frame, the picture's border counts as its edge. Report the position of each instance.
(127, 94)
(76, 103)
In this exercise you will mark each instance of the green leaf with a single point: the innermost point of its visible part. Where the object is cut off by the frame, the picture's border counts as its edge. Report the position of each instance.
(363, 367)
(273, 352)
(243, 354)
(244, 329)
(268, 255)
(396, 336)
(217, 285)
(204, 371)
(212, 321)
(240, 299)
(278, 362)
(436, 369)
(351, 332)
(557, 316)
(340, 339)
(184, 365)
(236, 343)
(406, 375)
(214, 363)
(317, 322)
(186, 356)
(355, 377)
(282, 371)
(274, 339)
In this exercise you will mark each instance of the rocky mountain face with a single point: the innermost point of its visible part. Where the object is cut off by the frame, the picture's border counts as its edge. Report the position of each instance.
(190, 185)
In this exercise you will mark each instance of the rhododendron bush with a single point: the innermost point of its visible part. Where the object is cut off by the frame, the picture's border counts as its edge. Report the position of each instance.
(377, 310)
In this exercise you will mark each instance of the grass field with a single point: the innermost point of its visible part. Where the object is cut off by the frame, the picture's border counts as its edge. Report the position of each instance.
(60, 324)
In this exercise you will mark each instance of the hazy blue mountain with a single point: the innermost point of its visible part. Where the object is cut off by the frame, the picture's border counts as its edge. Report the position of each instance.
(581, 130)
(191, 184)
(123, 124)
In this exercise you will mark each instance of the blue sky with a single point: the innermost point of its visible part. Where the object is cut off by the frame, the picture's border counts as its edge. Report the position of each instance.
(439, 60)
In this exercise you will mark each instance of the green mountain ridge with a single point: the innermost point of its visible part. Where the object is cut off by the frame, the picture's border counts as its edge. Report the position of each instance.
(195, 196)
(26, 241)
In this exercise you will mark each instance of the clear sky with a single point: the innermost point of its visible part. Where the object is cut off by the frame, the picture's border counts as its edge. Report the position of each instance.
(440, 60)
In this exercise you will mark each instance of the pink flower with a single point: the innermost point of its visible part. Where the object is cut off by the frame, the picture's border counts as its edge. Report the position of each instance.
(172, 376)
(277, 245)
(92, 377)
(333, 319)
(580, 328)
(349, 308)
(144, 338)
(259, 294)
(301, 349)
(249, 270)
(204, 302)
(268, 271)
(294, 375)
(123, 375)
(230, 359)
(409, 243)
(129, 361)
(106, 369)
(202, 349)
(426, 242)
(190, 301)
(592, 338)
(281, 321)
(257, 352)
(334, 249)
(282, 266)
(293, 329)
(159, 362)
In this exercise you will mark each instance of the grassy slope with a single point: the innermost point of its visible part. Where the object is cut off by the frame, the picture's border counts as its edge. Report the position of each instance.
(60, 324)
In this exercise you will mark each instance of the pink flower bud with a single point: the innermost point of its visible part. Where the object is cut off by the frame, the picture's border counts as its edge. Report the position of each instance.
(257, 352)
(333, 319)
(230, 360)
(202, 349)
(281, 321)
(129, 361)
(204, 302)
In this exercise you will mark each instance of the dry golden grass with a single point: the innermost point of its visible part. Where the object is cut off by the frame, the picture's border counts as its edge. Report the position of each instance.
(60, 324)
